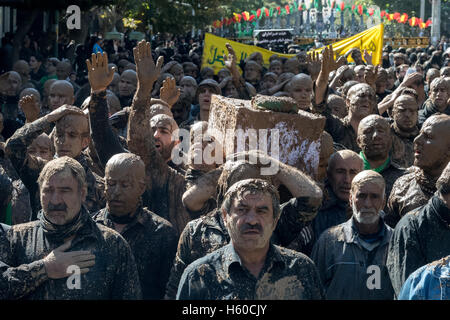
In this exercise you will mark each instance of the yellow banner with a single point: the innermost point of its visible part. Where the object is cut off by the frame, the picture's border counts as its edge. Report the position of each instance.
(214, 49)
(370, 39)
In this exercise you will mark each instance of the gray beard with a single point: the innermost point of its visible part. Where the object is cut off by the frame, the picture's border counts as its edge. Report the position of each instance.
(364, 219)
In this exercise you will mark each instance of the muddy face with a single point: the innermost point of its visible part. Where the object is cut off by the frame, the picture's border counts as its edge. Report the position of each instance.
(361, 101)
(250, 221)
(124, 185)
(72, 135)
(300, 88)
(61, 92)
(431, 146)
(405, 113)
(61, 197)
(374, 137)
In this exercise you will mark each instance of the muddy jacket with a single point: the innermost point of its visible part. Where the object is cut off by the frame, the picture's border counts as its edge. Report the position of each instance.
(403, 146)
(332, 212)
(420, 237)
(29, 169)
(407, 194)
(346, 263)
(340, 130)
(428, 110)
(208, 233)
(114, 275)
(430, 282)
(286, 275)
(153, 242)
(165, 186)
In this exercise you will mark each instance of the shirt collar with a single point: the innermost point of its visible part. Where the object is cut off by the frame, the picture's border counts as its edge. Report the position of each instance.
(351, 232)
(378, 169)
(231, 257)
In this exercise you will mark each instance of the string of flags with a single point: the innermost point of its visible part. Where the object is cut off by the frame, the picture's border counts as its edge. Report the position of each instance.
(360, 9)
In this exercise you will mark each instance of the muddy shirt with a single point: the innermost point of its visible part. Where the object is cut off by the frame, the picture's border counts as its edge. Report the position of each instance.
(420, 237)
(153, 242)
(428, 110)
(286, 275)
(408, 193)
(114, 275)
(208, 233)
(344, 263)
(403, 146)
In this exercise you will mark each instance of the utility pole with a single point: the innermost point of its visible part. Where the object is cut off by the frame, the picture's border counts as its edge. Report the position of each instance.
(422, 14)
(436, 22)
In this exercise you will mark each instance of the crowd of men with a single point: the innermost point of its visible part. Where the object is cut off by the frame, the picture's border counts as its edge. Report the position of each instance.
(88, 180)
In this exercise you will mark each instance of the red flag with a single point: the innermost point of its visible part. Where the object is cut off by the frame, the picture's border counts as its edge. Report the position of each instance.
(342, 6)
(360, 9)
(353, 7)
(258, 13)
(371, 11)
(396, 15)
(428, 23)
(382, 13)
(266, 11)
(288, 9)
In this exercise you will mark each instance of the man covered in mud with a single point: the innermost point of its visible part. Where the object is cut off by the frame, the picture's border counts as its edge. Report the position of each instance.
(422, 236)
(375, 140)
(152, 239)
(250, 267)
(65, 225)
(349, 254)
(431, 155)
(208, 233)
(404, 129)
(70, 138)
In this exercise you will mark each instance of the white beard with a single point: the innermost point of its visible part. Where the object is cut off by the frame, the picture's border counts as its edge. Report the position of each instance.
(365, 217)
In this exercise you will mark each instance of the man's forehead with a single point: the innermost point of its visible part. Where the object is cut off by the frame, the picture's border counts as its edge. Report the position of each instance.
(248, 197)
(74, 123)
(374, 123)
(63, 178)
(370, 186)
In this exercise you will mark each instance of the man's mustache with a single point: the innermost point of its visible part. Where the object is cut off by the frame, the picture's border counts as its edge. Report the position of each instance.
(247, 227)
(57, 207)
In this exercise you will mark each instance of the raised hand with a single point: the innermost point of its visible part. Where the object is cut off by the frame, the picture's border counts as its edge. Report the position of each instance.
(328, 62)
(30, 107)
(368, 57)
(230, 60)
(147, 71)
(169, 92)
(99, 74)
(371, 74)
(57, 262)
(313, 61)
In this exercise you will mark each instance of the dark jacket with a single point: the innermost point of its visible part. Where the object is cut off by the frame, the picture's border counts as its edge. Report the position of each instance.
(153, 242)
(114, 275)
(347, 265)
(420, 237)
